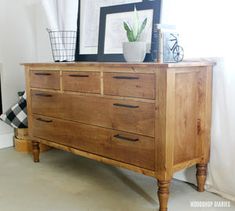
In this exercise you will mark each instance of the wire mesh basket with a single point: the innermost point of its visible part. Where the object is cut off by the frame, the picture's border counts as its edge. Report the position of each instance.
(63, 44)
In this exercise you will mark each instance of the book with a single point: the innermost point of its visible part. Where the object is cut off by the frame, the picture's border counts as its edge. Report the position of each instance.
(170, 39)
(167, 43)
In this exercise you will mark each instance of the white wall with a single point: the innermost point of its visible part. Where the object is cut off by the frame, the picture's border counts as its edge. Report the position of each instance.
(42, 41)
(5, 130)
(17, 45)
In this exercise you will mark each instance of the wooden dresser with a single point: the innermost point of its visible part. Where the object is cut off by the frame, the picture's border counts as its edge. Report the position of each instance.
(151, 118)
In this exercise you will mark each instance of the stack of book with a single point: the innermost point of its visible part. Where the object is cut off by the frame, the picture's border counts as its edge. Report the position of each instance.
(167, 41)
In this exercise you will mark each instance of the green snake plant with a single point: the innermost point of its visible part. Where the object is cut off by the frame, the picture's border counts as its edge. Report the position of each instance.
(134, 32)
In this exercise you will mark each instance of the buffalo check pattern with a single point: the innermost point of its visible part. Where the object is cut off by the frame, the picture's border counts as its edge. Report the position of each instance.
(16, 116)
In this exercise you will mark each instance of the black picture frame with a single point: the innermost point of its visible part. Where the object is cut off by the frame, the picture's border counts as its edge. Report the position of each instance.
(145, 5)
(79, 56)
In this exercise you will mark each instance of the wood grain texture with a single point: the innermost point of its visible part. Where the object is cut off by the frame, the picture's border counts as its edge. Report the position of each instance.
(45, 79)
(186, 116)
(163, 194)
(36, 151)
(205, 112)
(127, 115)
(186, 164)
(201, 176)
(130, 85)
(25, 146)
(91, 66)
(21, 133)
(160, 123)
(96, 95)
(82, 82)
(28, 95)
(118, 145)
(170, 124)
(164, 125)
(97, 157)
(150, 118)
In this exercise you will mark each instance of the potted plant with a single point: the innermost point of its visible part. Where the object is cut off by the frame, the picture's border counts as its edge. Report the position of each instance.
(135, 49)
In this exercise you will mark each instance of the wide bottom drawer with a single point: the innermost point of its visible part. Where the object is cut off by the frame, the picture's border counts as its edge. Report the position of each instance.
(129, 148)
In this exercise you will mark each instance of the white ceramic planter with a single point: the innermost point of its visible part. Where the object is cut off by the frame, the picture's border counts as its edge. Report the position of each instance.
(134, 51)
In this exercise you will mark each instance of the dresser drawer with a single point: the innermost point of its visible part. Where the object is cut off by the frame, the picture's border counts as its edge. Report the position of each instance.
(130, 85)
(81, 82)
(133, 149)
(126, 115)
(45, 79)
(132, 116)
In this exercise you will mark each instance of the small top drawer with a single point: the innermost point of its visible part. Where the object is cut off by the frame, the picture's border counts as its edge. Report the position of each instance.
(81, 82)
(45, 79)
(130, 85)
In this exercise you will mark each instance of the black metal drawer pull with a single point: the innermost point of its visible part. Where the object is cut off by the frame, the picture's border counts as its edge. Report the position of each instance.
(125, 106)
(125, 138)
(43, 95)
(44, 120)
(43, 74)
(79, 76)
(126, 77)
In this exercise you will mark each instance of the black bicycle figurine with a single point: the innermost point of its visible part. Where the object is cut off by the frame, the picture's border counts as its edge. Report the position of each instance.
(177, 50)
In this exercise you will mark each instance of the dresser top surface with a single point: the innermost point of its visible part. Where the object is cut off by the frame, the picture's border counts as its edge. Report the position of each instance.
(189, 63)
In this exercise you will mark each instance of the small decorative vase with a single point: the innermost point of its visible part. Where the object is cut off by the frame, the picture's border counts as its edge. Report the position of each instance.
(134, 51)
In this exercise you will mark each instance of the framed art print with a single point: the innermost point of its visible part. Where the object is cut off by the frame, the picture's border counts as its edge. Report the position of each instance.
(172, 51)
(88, 27)
(112, 34)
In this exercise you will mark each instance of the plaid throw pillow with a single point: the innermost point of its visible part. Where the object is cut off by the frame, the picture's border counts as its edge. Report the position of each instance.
(16, 116)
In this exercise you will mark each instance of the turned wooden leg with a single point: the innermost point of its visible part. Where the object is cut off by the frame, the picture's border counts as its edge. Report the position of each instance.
(36, 151)
(201, 176)
(163, 194)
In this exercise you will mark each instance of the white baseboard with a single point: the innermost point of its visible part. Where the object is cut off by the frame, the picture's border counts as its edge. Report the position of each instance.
(6, 140)
(5, 128)
(6, 135)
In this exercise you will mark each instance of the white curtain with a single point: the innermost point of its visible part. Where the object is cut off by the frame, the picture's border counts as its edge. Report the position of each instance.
(207, 30)
(61, 14)
(62, 17)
